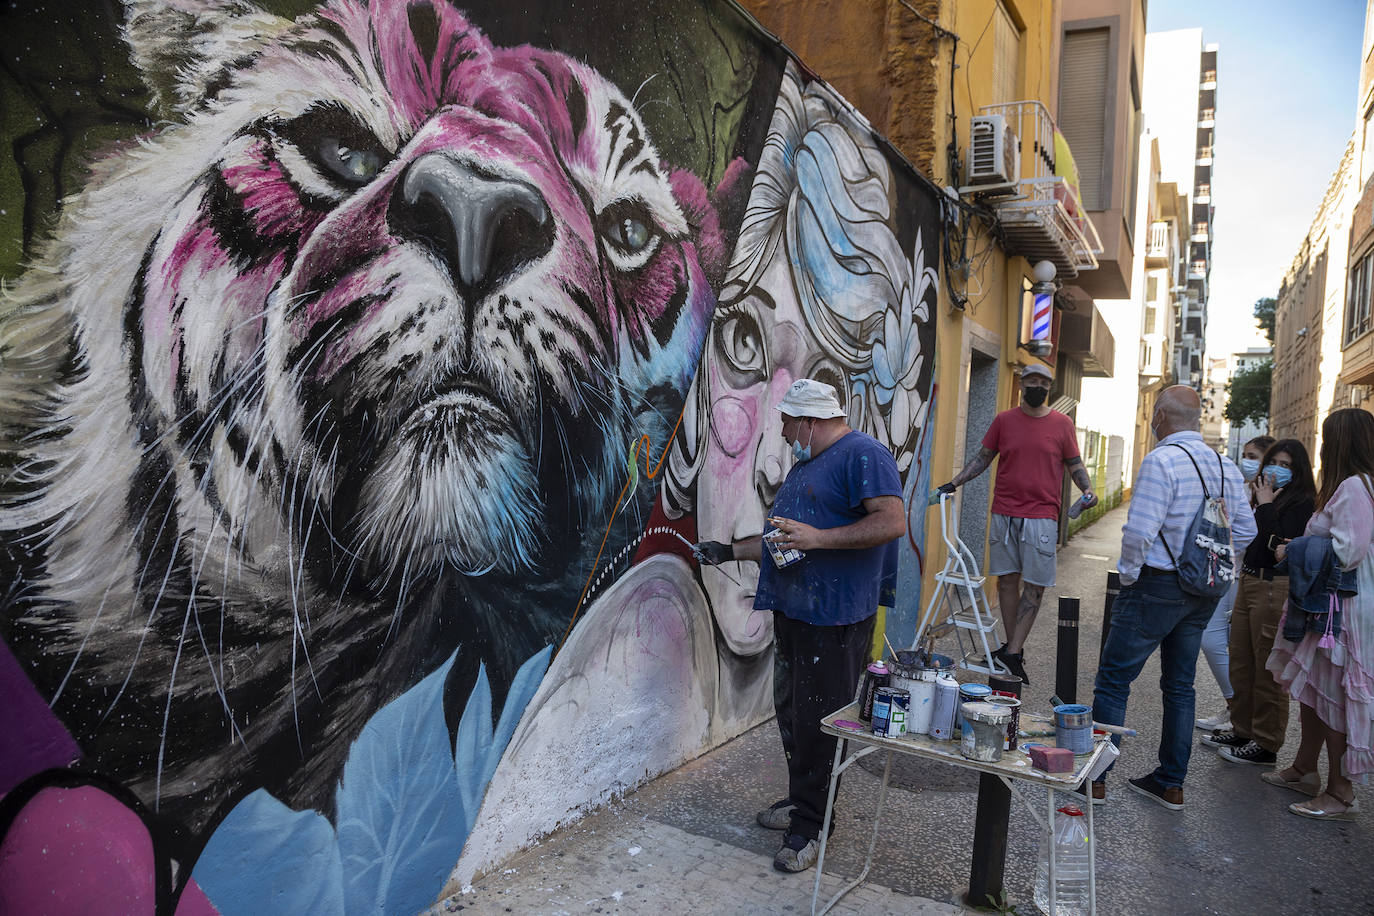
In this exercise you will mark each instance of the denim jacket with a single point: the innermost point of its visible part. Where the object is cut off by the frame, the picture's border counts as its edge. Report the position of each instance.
(1314, 575)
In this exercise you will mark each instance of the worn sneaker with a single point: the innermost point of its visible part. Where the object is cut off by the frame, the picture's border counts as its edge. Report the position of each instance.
(1220, 739)
(1099, 791)
(1249, 752)
(777, 816)
(797, 853)
(1170, 797)
(1221, 722)
(1015, 663)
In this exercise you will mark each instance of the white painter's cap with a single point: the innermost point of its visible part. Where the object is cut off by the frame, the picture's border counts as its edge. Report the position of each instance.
(810, 398)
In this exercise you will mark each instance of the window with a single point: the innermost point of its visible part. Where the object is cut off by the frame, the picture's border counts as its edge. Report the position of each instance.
(1367, 149)
(1006, 61)
(1133, 122)
(1150, 318)
(1152, 289)
(1357, 310)
(1085, 69)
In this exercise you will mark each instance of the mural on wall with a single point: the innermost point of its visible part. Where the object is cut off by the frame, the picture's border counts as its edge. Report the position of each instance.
(832, 278)
(356, 417)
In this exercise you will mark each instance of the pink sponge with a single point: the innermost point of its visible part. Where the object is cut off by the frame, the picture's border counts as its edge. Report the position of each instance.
(1052, 759)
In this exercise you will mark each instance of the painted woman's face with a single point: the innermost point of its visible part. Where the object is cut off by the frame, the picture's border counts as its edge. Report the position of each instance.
(759, 346)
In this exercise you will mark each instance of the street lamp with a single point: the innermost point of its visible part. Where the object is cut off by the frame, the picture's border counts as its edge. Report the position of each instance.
(1042, 313)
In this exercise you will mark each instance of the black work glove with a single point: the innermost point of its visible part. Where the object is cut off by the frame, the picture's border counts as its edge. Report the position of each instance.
(946, 488)
(713, 553)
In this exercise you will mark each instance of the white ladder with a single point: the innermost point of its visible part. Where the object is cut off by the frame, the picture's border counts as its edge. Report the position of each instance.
(959, 588)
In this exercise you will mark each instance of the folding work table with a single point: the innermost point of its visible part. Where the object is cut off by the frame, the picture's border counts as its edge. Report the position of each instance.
(1014, 767)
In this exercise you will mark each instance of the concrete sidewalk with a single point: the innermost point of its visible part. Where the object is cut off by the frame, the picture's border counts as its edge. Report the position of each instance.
(687, 842)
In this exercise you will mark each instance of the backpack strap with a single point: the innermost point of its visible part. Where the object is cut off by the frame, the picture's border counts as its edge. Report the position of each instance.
(1202, 480)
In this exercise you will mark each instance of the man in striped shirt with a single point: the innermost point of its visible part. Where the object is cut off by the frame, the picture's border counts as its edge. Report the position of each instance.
(1153, 611)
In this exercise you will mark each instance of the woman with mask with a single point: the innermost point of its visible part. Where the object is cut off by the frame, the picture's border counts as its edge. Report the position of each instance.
(1218, 633)
(1331, 672)
(1284, 495)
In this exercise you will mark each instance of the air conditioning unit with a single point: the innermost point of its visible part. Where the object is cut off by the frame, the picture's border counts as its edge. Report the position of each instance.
(994, 155)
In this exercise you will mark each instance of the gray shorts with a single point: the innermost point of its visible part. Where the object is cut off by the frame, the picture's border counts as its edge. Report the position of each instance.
(1023, 545)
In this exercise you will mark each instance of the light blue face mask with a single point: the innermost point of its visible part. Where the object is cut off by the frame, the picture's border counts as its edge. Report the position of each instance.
(800, 452)
(1278, 476)
(1249, 467)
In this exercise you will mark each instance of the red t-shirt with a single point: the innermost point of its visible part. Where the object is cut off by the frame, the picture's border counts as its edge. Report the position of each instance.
(1030, 464)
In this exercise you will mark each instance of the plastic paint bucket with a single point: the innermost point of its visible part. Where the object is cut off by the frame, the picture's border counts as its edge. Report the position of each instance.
(919, 681)
(1073, 727)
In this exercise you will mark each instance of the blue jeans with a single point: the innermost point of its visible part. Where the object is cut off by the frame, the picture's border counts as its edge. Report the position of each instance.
(1155, 613)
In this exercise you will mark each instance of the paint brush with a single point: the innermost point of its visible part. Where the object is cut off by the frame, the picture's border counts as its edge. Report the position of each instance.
(889, 646)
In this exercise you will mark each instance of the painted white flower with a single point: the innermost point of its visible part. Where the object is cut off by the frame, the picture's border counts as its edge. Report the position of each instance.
(897, 356)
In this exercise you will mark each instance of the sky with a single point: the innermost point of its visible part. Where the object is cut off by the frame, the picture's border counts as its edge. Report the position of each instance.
(1287, 82)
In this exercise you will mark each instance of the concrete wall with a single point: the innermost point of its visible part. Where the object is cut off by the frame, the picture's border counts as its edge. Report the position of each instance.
(357, 420)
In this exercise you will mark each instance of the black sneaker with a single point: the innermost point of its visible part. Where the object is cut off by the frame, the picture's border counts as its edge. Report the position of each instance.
(1220, 739)
(1249, 752)
(1015, 663)
(1170, 797)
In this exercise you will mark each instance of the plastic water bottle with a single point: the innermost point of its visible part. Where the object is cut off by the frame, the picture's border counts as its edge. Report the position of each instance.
(1071, 864)
(1078, 506)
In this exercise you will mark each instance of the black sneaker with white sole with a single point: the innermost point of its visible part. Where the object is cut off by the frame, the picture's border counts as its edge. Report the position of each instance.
(1249, 752)
(1015, 663)
(1220, 739)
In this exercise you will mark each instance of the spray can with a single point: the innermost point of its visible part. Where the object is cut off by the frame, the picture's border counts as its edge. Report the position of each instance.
(875, 675)
(946, 703)
(1078, 506)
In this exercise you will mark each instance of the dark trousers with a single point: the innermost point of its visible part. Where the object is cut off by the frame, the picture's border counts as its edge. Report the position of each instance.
(815, 672)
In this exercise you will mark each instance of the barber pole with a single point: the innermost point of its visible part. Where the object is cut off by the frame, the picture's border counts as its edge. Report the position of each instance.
(1040, 316)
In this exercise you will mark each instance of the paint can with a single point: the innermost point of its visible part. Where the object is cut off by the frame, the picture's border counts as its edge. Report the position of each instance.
(985, 731)
(946, 702)
(919, 681)
(875, 675)
(900, 713)
(1014, 723)
(1073, 727)
(783, 557)
(970, 693)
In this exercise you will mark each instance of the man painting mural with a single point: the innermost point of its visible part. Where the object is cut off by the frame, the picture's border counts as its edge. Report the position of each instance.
(841, 505)
(1033, 441)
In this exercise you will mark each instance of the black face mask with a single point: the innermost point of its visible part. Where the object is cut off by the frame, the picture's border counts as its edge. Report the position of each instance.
(1035, 396)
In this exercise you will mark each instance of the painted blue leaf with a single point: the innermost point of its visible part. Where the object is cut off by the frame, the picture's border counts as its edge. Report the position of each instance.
(477, 751)
(266, 858)
(401, 824)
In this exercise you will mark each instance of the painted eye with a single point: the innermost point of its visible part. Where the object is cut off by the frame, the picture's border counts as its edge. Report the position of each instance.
(739, 341)
(629, 228)
(350, 163)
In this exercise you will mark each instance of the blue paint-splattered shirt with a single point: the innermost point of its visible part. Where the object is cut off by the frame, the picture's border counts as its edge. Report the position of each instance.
(834, 587)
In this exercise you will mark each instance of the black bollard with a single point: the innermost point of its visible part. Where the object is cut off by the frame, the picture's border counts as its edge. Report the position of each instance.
(1066, 658)
(990, 824)
(1113, 589)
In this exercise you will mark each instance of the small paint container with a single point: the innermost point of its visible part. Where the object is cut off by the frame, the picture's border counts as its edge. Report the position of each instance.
(985, 731)
(783, 557)
(971, 693)
(875, 675)
(899, 714)
(1014, 723)
(1073, 727)
(882, 710)
(946, 703)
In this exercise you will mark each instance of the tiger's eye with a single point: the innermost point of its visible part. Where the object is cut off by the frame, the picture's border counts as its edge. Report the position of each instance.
(355, 165)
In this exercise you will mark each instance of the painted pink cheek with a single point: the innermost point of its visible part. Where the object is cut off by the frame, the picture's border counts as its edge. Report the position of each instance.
(732, 424)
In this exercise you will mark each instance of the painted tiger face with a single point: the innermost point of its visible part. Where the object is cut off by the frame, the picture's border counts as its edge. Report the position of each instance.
(441, 264)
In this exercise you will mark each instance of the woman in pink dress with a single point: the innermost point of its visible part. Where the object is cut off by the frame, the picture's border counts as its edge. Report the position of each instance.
(1335, 684)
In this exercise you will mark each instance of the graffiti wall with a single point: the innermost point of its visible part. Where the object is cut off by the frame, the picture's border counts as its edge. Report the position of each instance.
(366, 372)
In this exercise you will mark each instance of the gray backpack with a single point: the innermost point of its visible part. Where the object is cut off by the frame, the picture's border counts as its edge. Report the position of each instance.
(1207, 562)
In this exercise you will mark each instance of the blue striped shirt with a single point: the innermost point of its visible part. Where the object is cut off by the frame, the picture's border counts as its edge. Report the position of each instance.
(1167, 495)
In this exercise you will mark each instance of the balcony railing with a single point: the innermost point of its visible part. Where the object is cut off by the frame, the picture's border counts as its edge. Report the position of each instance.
(1206, 117)
(1203, 194)
(1157, 249)
(1043, 219)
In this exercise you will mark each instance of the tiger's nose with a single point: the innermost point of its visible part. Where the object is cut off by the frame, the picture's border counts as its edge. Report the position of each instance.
(483, 227)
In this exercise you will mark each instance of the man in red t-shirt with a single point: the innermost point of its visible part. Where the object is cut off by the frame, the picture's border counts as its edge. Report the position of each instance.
(1035, 443)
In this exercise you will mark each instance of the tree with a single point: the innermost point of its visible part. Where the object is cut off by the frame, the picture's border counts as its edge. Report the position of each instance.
(1248, 393)
(1264, 316)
